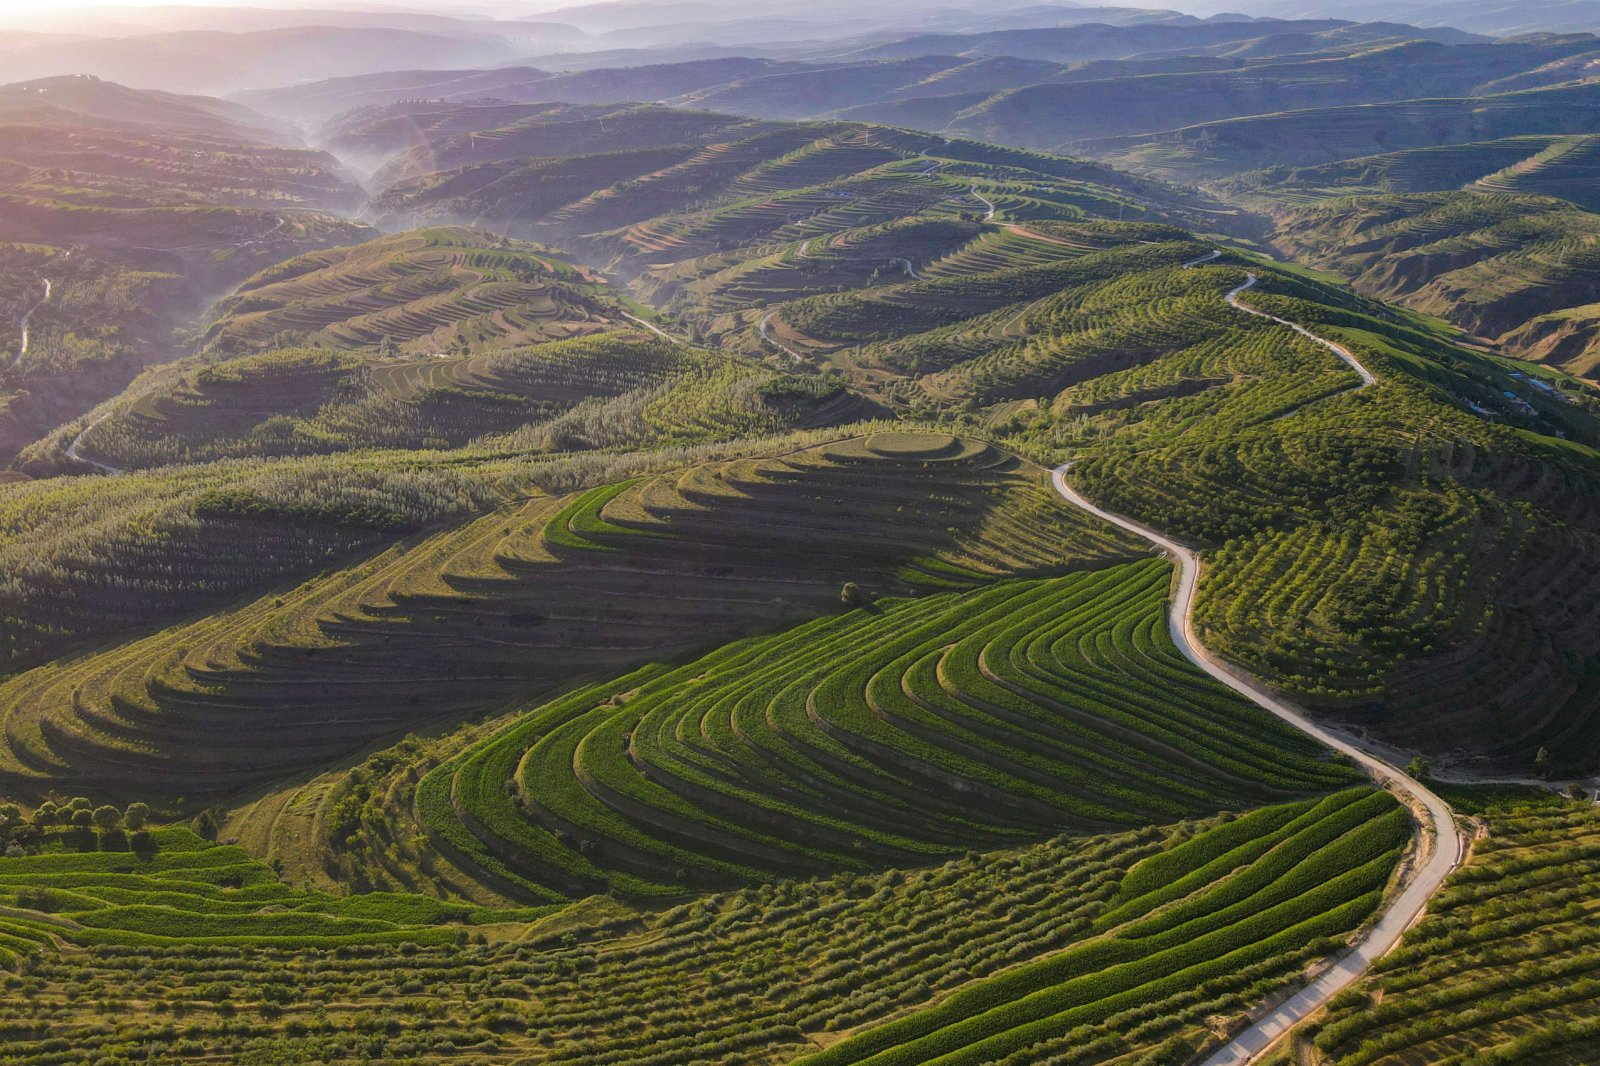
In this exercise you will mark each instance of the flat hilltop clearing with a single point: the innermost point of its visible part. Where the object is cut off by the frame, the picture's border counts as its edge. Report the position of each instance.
(893, 735)
(1500, 970)
(761, 975)
(534, 596)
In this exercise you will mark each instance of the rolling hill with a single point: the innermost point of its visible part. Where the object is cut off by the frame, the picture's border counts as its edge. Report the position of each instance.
(1311, 136)
(78, 328)
(216, 62)
(872, 252)
(1517, 269)
(135, 208)
(674, 583)
(426, 292)
(485, 611)
(1046, 86)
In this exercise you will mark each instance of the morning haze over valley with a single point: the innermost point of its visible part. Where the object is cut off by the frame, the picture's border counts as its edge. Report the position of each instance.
(738, 533)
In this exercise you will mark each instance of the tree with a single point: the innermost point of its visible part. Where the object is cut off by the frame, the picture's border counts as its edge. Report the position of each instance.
(83, 818)
(136, 816)
(45, 813)
(1418, 768)
(1541, 762)
(851, 595)
(106, 817)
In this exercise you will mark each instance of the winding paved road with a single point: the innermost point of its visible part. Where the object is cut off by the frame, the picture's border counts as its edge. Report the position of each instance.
(1337, 349)
(43, 300)
(653, 328)
(1442, 847)
(75, 453)
(761, 326)
(986, 203)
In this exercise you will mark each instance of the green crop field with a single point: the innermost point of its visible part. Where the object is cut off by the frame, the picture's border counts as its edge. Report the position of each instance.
(1500, 970)
(766, 974)
(857, 742)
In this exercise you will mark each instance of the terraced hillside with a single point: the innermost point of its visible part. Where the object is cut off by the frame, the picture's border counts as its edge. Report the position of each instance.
(1251, 140)
(863, 741)
(529, 598)
(440, 290)
(1390, 554)
(615, 389)
(97, 137)
(1549, 165)
(1092, 338)
(737, 181)
(143, 889)
(430, 137)
(177, 183)
(1439, 168)
(732, 234)
(764, 974)
(134, 208)
(1500, 969)
(86, 558)
(1518, 269)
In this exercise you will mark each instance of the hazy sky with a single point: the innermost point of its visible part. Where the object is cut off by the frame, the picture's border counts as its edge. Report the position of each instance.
(502, 7)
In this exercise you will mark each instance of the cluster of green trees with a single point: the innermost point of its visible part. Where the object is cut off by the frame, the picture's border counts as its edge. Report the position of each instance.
(26, 831)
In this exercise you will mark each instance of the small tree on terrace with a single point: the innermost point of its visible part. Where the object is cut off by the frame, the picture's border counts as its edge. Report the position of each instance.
(83, 818)
(136, 816)
(1541, 762)
(106, 817)
(851, 595)
(1419, 768)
